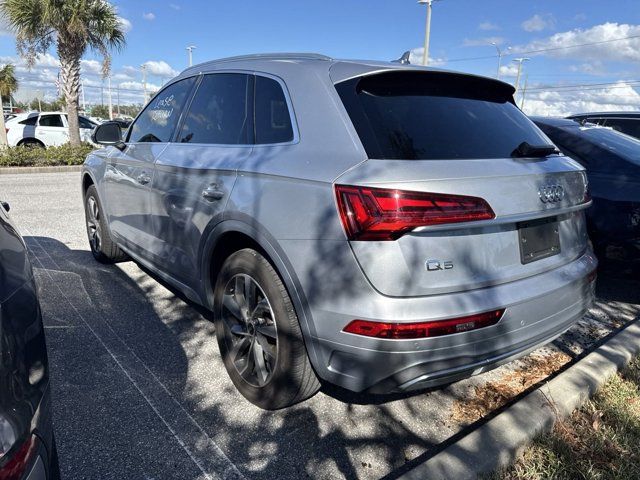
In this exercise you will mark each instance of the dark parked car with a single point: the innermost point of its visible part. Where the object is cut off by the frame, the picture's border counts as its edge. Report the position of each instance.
(612, 161)
(27, 447)
(625, 122)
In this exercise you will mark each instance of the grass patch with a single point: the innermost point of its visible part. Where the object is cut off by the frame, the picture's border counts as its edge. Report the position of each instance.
(598, 441)
(40, 157)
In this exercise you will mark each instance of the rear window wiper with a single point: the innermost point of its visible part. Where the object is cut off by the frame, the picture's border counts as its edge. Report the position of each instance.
(525, 150)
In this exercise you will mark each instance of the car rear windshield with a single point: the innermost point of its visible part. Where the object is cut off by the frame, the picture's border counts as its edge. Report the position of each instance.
(589, 143)
(435, 116)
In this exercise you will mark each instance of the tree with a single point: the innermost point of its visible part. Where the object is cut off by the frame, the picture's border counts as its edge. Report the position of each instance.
(8, 85)
(73, 26)
(100, 111)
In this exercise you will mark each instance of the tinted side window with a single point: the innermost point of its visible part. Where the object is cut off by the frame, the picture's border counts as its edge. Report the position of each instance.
(272, 118)
(29, 121)
(219, 111)
(51, 121)
(158, 120)
(86, 123)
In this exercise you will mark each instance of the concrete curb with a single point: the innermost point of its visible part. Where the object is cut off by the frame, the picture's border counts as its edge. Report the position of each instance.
(56, 169)
(498, 442)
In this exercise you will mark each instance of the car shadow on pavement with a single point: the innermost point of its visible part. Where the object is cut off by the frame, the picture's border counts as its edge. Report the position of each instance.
(167, 345)
(171, 341)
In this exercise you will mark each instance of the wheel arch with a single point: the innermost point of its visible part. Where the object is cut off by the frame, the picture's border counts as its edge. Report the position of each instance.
(87, 181)
(32, 139)
(232, 235)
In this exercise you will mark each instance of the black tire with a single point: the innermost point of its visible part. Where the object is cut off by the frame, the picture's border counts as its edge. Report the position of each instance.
(102, 246)
(31, 143)
(271, 332)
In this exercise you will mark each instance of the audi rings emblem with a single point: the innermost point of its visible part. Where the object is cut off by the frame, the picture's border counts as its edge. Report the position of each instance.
(551, 193)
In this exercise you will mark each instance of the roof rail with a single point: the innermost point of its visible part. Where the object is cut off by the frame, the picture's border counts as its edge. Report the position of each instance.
(264, 56)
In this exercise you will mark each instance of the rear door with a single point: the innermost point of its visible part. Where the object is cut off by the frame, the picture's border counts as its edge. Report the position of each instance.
(195, 173)
(129, 173)
(443, 149)
(52, 130)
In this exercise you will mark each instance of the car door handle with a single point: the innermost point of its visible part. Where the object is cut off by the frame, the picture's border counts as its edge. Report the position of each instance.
(143, 179)
(212, 193)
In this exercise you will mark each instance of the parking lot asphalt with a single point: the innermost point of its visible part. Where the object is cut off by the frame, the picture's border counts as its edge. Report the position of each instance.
(140, 391)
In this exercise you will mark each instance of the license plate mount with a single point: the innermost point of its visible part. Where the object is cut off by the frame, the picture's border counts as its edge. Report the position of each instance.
(538, 239)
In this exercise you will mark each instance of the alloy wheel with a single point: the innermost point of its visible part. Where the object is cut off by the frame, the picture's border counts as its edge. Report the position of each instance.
(250, 330)
(93, 224)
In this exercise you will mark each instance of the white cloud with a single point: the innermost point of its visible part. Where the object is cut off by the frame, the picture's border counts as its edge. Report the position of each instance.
(45, 60)
(130, 70)
(623, 50)
(620, 96)
(415, 58)
(538, 23)
(160, 68)
(149, 16)
(482, 42)
(486, 26)
(174, 6)
(580, 17)
(91, 67)
(125, 24)
(122, 77)
(509, 70)
(591, 68)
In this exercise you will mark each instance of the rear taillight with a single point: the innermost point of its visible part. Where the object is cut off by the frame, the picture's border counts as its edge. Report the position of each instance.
(386, 214)
(18, 463)
(405, 331)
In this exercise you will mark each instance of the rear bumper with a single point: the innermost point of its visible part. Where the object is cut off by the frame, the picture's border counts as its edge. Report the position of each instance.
(537, 310)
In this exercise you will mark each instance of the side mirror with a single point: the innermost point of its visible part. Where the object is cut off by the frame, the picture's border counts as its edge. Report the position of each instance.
(108, 133)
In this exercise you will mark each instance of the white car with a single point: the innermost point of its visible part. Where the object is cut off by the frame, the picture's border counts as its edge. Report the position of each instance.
(44, 129)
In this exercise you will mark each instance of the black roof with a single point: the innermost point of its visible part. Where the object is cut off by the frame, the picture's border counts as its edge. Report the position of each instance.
(606, 115)
(554, 121)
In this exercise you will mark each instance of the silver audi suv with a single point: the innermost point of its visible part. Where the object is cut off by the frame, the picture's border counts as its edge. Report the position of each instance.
(378, 226)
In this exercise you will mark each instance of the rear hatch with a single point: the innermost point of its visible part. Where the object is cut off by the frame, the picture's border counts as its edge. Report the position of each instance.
(461, 190)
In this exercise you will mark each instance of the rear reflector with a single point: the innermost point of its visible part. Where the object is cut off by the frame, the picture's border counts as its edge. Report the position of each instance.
(18, 463)
(387, 214)
(404, 331)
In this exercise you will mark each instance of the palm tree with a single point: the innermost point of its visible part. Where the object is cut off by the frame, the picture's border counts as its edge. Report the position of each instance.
(73, 26)
(8, 85)
(8, 81)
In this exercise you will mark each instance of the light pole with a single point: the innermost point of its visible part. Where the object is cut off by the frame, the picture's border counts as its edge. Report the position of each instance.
(519, 61)
(190, 49)
(110, 100)
(427, 33)
(84, 103)
(144, 82)
(500, 55)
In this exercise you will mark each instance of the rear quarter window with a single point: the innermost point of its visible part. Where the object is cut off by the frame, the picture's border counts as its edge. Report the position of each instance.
(29, 121)
(272, 116)
(435, 116)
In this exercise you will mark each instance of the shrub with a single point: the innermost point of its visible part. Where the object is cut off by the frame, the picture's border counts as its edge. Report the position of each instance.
(65, 154)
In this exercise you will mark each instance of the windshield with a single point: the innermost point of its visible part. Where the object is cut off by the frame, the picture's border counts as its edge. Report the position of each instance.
(436, 116)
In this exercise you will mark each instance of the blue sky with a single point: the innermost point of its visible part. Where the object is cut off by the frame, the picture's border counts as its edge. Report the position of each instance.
(377, 29)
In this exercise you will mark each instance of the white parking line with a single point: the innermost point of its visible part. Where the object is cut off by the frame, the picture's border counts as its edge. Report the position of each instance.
(231, 471)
